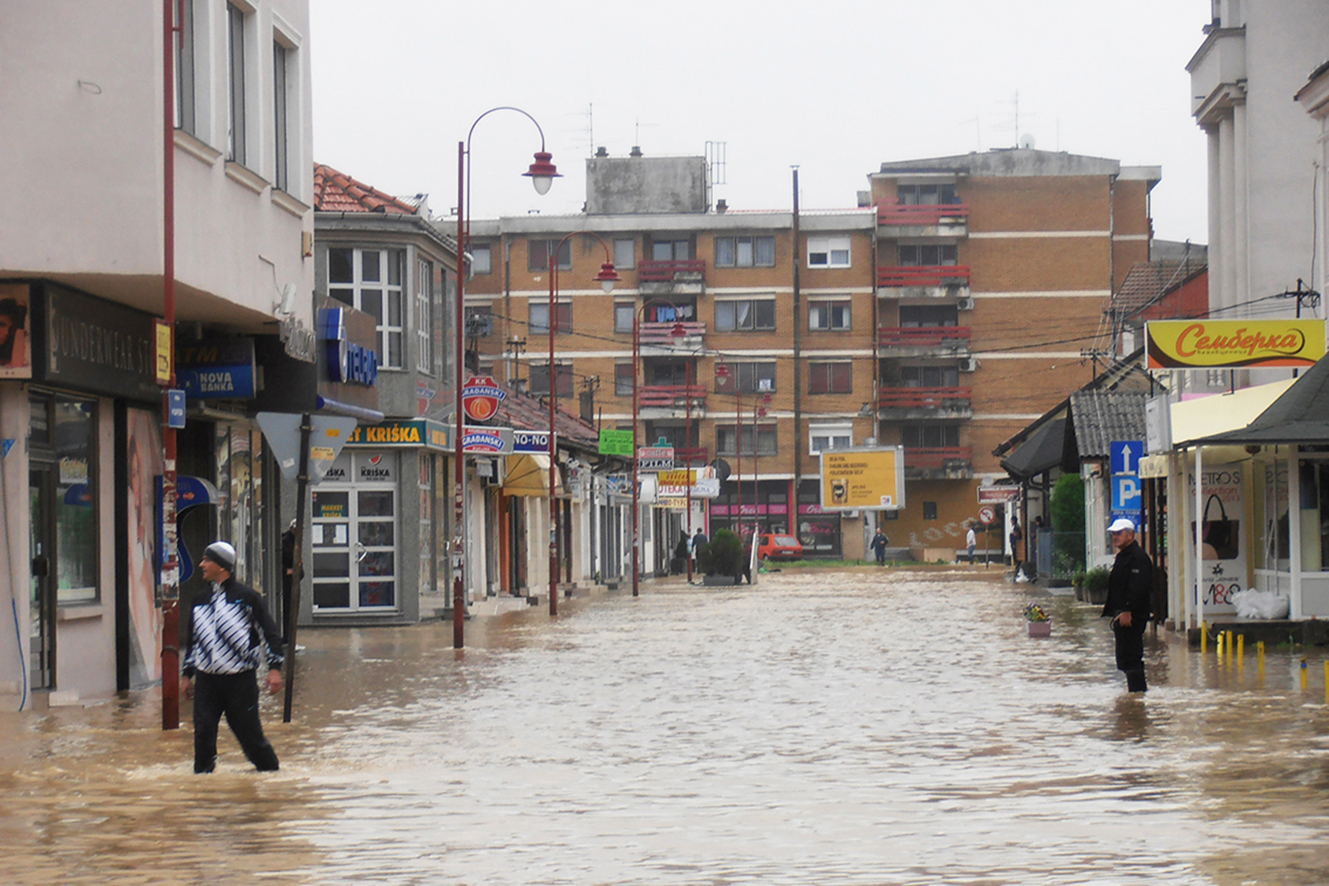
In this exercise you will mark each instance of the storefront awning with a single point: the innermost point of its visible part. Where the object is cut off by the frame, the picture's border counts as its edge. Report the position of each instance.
(1204, 417)
(529, 475)
(1300, 415)
(1040, 453)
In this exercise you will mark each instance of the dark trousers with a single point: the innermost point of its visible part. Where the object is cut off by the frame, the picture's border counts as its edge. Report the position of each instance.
(881, 556)
(236, 696)
(1130, 653)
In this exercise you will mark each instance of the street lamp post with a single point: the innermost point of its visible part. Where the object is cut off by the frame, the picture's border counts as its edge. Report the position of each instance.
(722, 372)
(677, 332)
(606, 278)
(542, 174)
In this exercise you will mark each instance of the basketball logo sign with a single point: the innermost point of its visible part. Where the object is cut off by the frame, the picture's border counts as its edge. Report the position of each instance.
(480, 397)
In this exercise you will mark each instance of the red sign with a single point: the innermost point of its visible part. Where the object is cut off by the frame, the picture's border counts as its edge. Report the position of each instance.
(480, 397)
(986, 515)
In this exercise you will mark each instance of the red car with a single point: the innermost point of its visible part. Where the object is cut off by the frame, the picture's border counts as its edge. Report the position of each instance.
(778, 547)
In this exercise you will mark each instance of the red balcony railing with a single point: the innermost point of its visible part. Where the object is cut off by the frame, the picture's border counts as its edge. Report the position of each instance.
(924, 398)
(921, 275)
(935, 456)
(670, 396)
(687, 455)
(663, 333)
(664, 271)
(922, 336)
(930, 214)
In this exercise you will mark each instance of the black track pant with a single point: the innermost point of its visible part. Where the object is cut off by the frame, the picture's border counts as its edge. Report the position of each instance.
(236, 696)
(1130, 654)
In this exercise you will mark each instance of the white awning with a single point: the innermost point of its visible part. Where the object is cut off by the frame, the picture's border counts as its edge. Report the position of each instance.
(1217, 414)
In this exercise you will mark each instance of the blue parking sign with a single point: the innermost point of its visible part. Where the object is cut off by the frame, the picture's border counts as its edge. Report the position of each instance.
(1127, 493)
(1125, 456)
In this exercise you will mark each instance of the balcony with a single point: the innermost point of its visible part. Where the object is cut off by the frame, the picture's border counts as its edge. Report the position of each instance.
(672, 397)
(683, 277)
(923, 341)
(923, 281)
(686, 456)
(938, 463)
(929, 220)
(925, 403)
(661, 339)
(1218, 75)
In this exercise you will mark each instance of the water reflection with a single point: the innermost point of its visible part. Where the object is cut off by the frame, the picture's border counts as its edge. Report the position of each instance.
(860, 728)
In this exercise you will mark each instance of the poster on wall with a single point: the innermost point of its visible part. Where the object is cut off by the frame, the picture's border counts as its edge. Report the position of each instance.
(1222, 549)
(15, 331)
(145, 621)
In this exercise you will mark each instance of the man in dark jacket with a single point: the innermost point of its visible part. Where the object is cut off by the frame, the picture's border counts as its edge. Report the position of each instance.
(230, 634)
(1130, 588)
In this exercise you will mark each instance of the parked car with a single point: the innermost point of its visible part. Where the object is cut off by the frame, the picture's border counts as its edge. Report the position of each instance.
(778, 547)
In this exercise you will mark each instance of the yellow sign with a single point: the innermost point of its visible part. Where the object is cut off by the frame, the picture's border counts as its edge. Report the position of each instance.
(164, 352)
(1233, 344)
(871, 479)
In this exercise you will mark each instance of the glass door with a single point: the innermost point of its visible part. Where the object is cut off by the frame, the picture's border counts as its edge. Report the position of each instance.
(41, 601)
(354, 540)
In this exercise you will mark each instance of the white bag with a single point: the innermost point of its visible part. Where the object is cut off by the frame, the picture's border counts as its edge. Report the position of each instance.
(1251, 603)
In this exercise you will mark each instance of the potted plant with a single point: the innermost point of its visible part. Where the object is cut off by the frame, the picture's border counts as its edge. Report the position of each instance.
(1040, 623)
(722, 559)
(1096, 585)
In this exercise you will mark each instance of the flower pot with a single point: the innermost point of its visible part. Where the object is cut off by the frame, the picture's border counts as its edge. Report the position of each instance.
(1040, 629)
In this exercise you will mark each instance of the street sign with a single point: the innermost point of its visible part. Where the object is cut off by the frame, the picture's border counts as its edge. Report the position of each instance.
(998, 494)
(986, 515)
(1127, 493)
(1125, 456)
(329, 435)
(655, 458)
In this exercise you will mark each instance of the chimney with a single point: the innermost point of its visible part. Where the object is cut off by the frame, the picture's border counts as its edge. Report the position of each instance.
(721, 206)
(636, 151)
(601, 152)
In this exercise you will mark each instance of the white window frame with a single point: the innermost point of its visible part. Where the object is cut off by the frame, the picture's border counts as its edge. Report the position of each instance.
(480, 265)
(186, 70)
(735, 248)
(822, 314)
(282, 56)
(391, 295)
(751, 302)
(832, 434)
(424, 315)
(625, 253)
(829, 252)
(624, 310)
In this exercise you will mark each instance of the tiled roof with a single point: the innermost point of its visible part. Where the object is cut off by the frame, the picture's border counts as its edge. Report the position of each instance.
(337, 192)
(1099, 417)
(1149, 281)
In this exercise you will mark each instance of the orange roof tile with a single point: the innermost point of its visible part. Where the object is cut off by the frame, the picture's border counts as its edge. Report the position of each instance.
(337, 192)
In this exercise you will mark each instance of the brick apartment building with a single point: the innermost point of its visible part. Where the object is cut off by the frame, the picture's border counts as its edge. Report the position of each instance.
(952, 306)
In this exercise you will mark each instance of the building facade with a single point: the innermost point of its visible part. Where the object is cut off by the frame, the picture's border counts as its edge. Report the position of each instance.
(81, 283)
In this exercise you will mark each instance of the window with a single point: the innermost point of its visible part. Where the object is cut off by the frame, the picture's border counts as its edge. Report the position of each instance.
(745, 315)
(930, 254)
(926, 195)
(828, 252)
(728, 437)
(930, 376)
(185, 100)
(280, 178)
(482, 261)
(424, 316)
(538, 252)
(745, 252)
(913, 316)
(929, 436)
(929, 510)
(746, 378)
(540, 378)
(623, 374)
(539, 318)
(671, 250)
(624, 312)
(830, 316)
(236, 134)
(831, 378)
(822, 437)
(625, 254)
(370, 280)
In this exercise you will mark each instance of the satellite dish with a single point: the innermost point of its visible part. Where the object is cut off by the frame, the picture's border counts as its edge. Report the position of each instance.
(721, 469)
(1027, 142)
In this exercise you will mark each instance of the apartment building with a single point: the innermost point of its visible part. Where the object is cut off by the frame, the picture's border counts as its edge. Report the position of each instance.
(81, 285)
(945, 311)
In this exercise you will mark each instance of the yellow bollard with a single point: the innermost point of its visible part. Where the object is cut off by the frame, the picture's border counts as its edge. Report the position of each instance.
(1259, 649)
(1303, 674)
(1227, 646)
(1241, 651)
(1204, 639)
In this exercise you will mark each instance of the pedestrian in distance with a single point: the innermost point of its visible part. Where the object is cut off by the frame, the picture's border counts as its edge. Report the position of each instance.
(879, 543)
(1017, 535)
(971, 542)
(230, 634)
(1130, 589)
(698, 542)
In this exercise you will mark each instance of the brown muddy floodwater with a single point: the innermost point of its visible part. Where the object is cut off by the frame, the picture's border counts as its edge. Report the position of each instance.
(852, 728)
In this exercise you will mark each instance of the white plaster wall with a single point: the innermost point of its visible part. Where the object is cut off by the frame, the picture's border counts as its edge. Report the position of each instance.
(14, 581)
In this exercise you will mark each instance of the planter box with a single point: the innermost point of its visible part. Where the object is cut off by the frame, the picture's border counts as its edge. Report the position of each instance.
(717, 581)
(1040, 629)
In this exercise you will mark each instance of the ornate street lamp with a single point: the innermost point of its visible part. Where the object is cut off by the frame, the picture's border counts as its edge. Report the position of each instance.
(542, 174)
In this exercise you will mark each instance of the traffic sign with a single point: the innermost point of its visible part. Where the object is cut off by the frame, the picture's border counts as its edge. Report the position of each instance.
(986, 515)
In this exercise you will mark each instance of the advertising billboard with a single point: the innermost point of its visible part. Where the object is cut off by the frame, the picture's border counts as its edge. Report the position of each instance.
(862, 479)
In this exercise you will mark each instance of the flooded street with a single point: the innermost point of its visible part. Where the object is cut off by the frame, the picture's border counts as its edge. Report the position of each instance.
(853, 728)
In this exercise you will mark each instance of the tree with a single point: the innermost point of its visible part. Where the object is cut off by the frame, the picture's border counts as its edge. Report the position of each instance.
(1067, 508)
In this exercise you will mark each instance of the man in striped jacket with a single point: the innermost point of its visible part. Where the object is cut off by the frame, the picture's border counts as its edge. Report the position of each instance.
(230, 634)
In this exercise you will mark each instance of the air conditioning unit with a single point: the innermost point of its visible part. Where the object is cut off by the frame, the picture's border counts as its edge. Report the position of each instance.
(969, 364)
(965, 303)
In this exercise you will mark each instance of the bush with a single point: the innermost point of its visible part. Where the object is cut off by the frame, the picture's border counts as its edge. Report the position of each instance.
(723, 555)
(1067, 507)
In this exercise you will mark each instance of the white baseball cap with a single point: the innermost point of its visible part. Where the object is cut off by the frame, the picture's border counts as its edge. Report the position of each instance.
(1121, 524)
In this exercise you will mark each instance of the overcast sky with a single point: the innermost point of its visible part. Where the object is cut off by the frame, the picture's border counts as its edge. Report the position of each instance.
(834, 87)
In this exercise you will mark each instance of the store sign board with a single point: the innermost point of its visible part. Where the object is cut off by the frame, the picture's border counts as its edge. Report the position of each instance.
(862, 479)
(1233, 344)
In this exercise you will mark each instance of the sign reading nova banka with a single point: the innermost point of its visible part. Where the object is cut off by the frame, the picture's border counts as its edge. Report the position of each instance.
(1233, 344)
